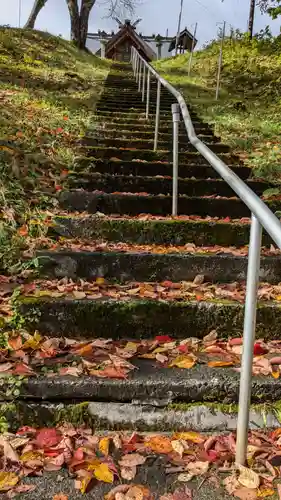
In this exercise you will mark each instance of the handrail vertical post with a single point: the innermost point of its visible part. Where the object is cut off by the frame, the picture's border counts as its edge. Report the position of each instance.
(140, 74)
(176, 120)
(148, 94)
(137, 68)
(192, 50)
(248, 340)
(157, 118)
(143, 83)
(220, 62)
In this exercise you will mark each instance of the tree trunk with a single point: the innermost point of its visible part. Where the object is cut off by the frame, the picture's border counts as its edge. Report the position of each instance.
(86, 8)
(252, 18)
(37, 6)
(74, 21)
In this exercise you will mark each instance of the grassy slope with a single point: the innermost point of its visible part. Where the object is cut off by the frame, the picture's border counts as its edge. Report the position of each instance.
(247, 115)
(48, 91)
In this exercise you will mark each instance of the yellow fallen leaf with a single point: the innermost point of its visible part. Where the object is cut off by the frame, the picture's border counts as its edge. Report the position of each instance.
(100, 281)
(85, 483)
(8, 480)
(248, 478)
(159, 444)
(183, 362)
(275, 372)
(220, 364)
(131, 347)
(178, 447)
(104, 446)
(194, 437)
(265, 493)
(33, 341)
(103, 473)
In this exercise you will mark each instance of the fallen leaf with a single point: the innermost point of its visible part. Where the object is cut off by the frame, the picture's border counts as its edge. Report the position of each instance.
(246, 493)
(60, 496)
(183, 361)
(198, 468)
(212, 336)
(128, 473)
(103, 473)
(104, 446)
(182, 494)
(199, 279)
(121, 488)
(178, 447)
(185, 477)
(220, 364)
(46, 438)
(132, 460)
(248, 477)
(279, 490)
(137, 492)
(110, 372)
(159, 444)
(265, 493)
(8, 480)
(79, 295)
(194, 437)
(15, 343)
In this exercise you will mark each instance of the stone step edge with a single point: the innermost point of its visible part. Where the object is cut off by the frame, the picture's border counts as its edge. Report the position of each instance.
(149, 266)
(150, 384)
(202, 232)
(122, 417)
(143, 318)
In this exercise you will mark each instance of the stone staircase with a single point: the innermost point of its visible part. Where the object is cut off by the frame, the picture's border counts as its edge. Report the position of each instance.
(120, 193)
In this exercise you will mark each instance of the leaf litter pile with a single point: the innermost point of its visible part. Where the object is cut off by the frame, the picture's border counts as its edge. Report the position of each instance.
(117, 459)
(33, 355)
(196, 290)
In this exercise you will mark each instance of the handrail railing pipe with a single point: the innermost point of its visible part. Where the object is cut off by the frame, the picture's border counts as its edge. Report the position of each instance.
(157, 116)
(140, 74)
(147, 95)
(262, 216)
(176, 120)
(143, 82)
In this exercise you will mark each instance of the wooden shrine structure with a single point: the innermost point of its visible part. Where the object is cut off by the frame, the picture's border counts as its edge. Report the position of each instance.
(118, 45)
(185, 42)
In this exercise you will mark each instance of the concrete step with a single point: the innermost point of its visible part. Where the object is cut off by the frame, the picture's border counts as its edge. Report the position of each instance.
(143, 318)
(131, 154)
(146, 134)
(134, 204)
(156, 185)
(142, 124)
(151, 383)
(84, 168)
(136, 113)
(144, 144)
(153, 231)
(140, 266)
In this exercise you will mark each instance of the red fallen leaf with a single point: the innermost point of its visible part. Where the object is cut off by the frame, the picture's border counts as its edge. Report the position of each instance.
(275, 361)
(65, 118)
(259, 349)
(78, 454)
(23, 230)
(212, 456)
(236, 341)
(183, 348)
(26, 430)
(22, 369)
(46, 438)
(59, 130)
(58, 188)
(163, 338)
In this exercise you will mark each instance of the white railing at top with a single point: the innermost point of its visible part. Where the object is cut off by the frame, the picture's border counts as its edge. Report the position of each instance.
(262, 217)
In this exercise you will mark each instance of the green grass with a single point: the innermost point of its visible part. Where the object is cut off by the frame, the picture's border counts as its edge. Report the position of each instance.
(48, 92)
(247, 114)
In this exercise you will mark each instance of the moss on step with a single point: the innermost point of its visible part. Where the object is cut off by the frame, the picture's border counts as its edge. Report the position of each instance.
(144, 318)
(174, 232)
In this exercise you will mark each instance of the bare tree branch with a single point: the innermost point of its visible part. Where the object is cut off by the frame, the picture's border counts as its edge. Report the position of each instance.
(37, 6)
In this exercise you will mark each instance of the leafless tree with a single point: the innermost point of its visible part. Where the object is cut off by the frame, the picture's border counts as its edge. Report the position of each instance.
(79, 17)
(37, 6)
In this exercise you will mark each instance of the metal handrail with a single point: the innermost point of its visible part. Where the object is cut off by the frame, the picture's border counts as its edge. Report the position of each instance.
(262, 217)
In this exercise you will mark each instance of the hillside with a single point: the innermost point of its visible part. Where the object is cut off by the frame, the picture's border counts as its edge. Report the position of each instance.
(48, 91)
(247, 115)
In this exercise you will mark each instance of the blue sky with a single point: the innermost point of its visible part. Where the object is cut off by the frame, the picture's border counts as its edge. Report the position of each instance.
(157, 15)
